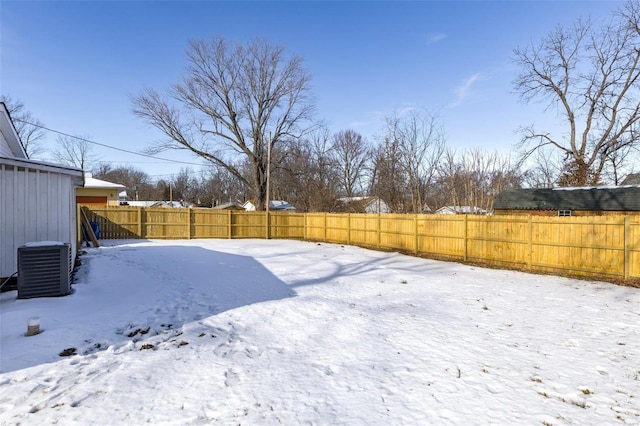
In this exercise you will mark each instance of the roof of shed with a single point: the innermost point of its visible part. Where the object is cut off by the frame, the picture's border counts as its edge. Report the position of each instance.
(44, 166)
(611, 198)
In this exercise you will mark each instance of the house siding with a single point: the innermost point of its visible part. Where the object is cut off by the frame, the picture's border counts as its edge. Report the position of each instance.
(35, 205)
(91, 200)
(108, 195)
(5, 150)
(362, 205)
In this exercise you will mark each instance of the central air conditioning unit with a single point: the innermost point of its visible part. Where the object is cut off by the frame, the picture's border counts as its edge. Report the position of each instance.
(44, 269)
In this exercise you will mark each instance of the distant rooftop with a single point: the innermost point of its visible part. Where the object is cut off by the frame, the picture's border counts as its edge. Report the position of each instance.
(632, 179)
(605, 198)
(91, 182)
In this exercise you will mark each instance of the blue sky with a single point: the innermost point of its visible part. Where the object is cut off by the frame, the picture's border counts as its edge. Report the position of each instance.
(75, 64)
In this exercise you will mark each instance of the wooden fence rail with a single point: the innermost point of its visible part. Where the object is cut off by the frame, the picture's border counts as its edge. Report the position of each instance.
(591, 246)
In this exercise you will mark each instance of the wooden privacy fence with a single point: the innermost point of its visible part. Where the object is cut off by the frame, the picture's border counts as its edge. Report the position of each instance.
(592, 246)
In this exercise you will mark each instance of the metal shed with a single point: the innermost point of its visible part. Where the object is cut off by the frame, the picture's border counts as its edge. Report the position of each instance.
(37, 199)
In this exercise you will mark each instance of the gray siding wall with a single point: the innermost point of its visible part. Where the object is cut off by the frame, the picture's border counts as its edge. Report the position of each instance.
(5, 151)
(35, 205)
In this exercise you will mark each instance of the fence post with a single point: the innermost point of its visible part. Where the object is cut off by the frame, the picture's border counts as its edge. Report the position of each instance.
(530, 256)
(415, 232)
(139, 211)
(189, 224)
(627, 247)
(304, 226)
(267, 217)
(379, 230)
(348, 228)
(229, 220)
(325, 227)
(465, 239)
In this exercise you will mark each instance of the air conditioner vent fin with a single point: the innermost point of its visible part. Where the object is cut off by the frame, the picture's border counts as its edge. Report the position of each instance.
(44, 270)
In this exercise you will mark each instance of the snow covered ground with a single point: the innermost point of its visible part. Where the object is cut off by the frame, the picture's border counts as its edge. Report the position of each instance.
(288, 332)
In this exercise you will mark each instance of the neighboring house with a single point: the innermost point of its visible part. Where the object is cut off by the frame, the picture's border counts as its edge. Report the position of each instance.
(37, 199)
(461, 210)
(228, 206)
(96, 192)
(274, 205)
(583, 201)
(631, 179)
(367, 204)
(141, 203)
(162, 204)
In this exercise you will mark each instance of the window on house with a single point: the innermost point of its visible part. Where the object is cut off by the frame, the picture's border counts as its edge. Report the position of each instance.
(563, 213)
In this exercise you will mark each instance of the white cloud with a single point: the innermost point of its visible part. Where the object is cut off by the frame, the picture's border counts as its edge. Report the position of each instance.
(463, 90)
(436, 38)
(401, 112)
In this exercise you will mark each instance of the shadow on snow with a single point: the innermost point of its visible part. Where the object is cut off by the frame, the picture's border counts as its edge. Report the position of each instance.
(123, 293)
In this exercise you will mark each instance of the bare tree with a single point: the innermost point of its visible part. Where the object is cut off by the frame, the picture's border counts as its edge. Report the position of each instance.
(421, 144)
(407, 159)
(219, 186)
(450, 181)
(590, 73)
(387, 178)
(308, 176)
(621, 163)
(137, 183)
(545, 171)
(186, 186)
(74, 151)
(28, 127)
(234, 101)
(475, 177)
(351, 155)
